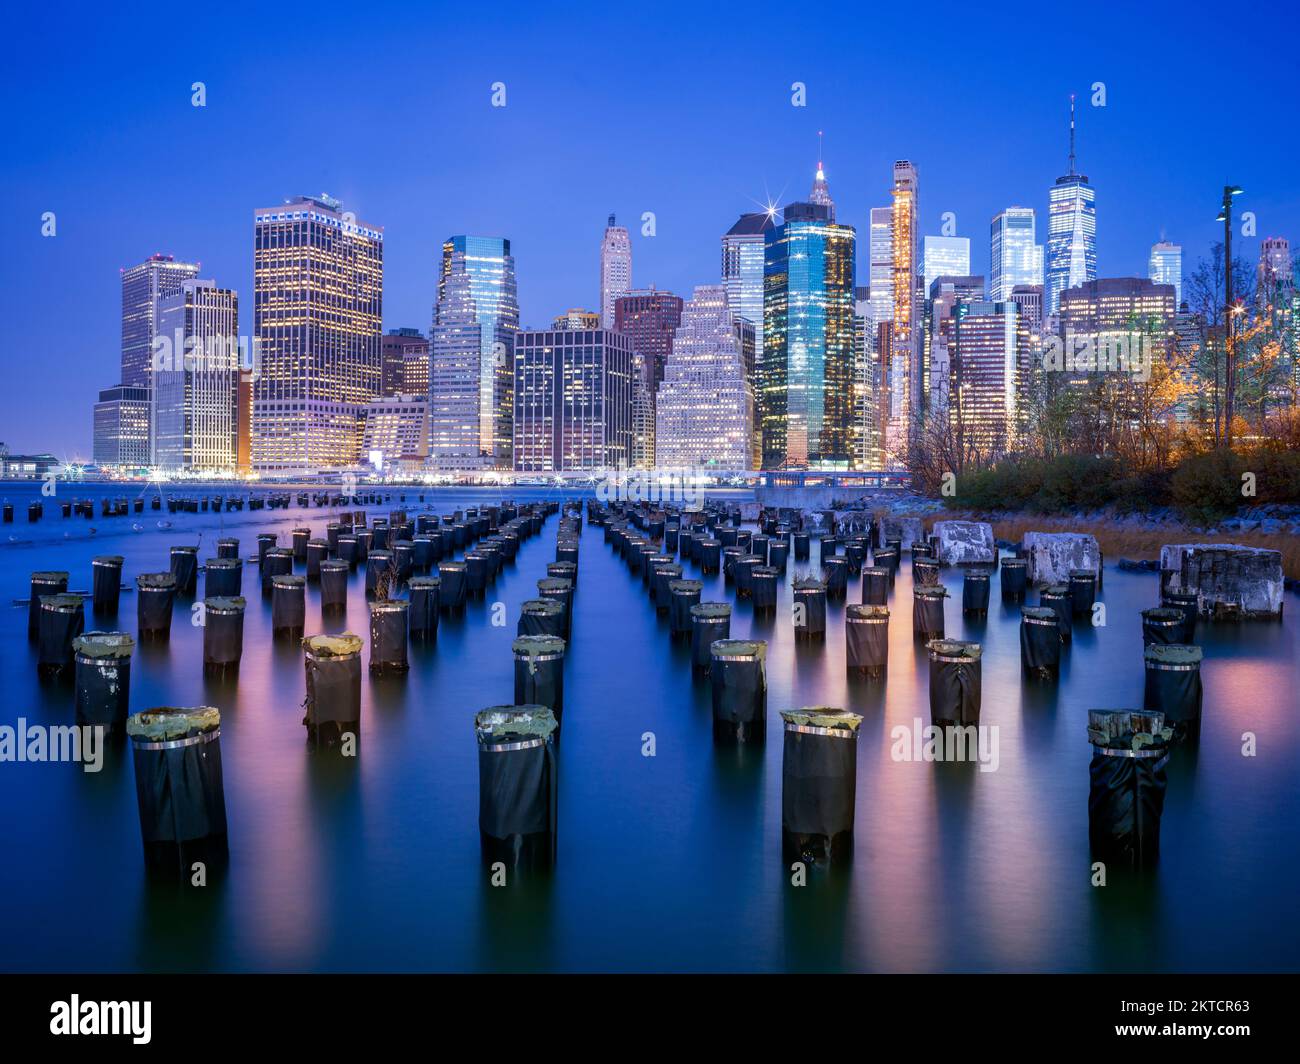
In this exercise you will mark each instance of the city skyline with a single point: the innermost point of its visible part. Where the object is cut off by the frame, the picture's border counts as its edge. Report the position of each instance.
(202, 213)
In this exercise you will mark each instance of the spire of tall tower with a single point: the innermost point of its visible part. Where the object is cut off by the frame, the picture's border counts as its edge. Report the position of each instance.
(821, 192)
(1071, 134)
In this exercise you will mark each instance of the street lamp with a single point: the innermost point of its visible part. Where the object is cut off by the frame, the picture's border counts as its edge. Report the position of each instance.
(1230, 357)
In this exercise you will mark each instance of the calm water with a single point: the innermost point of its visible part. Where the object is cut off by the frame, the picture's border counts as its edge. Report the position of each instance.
(665, 863)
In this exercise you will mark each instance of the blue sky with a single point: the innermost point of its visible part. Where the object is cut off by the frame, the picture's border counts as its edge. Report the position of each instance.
(683, 110)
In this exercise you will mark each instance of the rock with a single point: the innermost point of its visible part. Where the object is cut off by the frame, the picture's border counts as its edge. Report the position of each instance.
(965, 543)
(1232, 580)
(1053, 554)
(907, 529)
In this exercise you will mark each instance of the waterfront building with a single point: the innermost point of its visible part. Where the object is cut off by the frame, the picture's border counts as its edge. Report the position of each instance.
(805, 393)
(650, 319)
(396, 430)
(194, 421)
(121, 427)
(742, 270)
(404, 359)
(471, 371)
(705, 405)
(318, 303)
(572, 400)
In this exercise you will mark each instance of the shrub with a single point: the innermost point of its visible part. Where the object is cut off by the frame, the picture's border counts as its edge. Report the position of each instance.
(1207, 487)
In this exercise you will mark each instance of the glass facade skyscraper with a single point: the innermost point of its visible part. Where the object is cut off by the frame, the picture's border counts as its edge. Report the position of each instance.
(1166, 267)
(143, 287)
(944, 256)
(742, 271)
(805, 382)
(1071, 232)
(1015, 258)
(471, 371)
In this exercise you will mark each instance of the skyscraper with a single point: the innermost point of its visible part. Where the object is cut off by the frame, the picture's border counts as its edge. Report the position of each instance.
(396, 348)
(143, 287)
(1166, 267)
(1071, 231)
(471, 374)
(615, 270)
(742, 271)
(805, 390)
(984, 390)
(650, 318)
(1014, 256)
(121, 427)
(318, 307)
(945, 294)
(880, 283)
(705, 406)
(193, 412)
(1123, 320)
(944, 256)
(902, 374)
(821, 189)
(572, 399)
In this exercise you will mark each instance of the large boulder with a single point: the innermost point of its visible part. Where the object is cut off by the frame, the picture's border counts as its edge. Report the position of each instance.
(1232, 580)
(1052, 555)
(964, 543)
(908, 530)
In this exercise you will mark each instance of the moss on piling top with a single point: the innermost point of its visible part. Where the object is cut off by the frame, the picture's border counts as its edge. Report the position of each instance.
(498, 724)
(875, 570)
(168, 722)
(1181, 592)
(1163, 613)
(542, 608)
(978, 572)
(1059, 590)
(107, 559)
(333, 646)
(158, 581)
(381, 555)
(1090, 574)
(222, 563)
(65, 601)
(739, 648)
(1127, 729)
(1038, 613)
(424, 581)
(225, 602)
(288, 580)
(104, 645)
(50, 576)
(861, 610)
(323, 543)
(554, 583)
(711, 610)
(185, 547)
(1173, 653)
(686, 587)
(455, 567)
(389, 605)
(809, 583)
(534, 647)
(1015, 563)
(822, 717)
(929, 591)
(949, 649)
(765, 570)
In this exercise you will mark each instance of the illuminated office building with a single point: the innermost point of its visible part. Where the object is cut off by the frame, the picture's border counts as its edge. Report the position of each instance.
(471, 373)
(865, 445)
(1071, 232)
(396, 430)
(742, 270)
(945, 293)
(944, 256)
(615, 270)
(193, 409)
(1015, 258)
(404, 358)
(121, 427)
(1118, 315)
(650, 319)
(903, 374)
(805, 381)
(983, 385)
(143, 287)
(1166, 267)
(705, 405)
(880, 282)
(573, 400)
(576, 318)
(318, 305)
